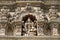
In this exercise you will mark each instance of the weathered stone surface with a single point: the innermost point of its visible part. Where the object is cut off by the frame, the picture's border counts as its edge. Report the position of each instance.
(29, 22)
(30, 38)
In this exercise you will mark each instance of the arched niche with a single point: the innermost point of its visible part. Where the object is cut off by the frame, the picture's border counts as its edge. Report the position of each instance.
(33, 18)
(33, 14)
(27, 26)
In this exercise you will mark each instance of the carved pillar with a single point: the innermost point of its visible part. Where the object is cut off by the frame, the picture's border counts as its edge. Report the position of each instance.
(40, 29)
(2, 28)
(17, 28)
(54, 29)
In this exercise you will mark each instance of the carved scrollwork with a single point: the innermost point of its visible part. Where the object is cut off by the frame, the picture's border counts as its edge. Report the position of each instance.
(53, 13)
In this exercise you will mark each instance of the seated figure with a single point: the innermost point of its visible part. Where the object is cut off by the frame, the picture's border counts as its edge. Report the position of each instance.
(29, 25)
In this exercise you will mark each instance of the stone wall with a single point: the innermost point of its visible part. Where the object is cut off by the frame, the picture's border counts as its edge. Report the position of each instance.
(30, 38)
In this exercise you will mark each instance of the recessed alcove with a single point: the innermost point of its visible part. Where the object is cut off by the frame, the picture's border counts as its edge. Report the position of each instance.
(28, 20)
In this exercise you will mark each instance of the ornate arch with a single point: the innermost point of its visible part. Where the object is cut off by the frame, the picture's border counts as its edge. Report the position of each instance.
(33, 14)
(29, 16)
